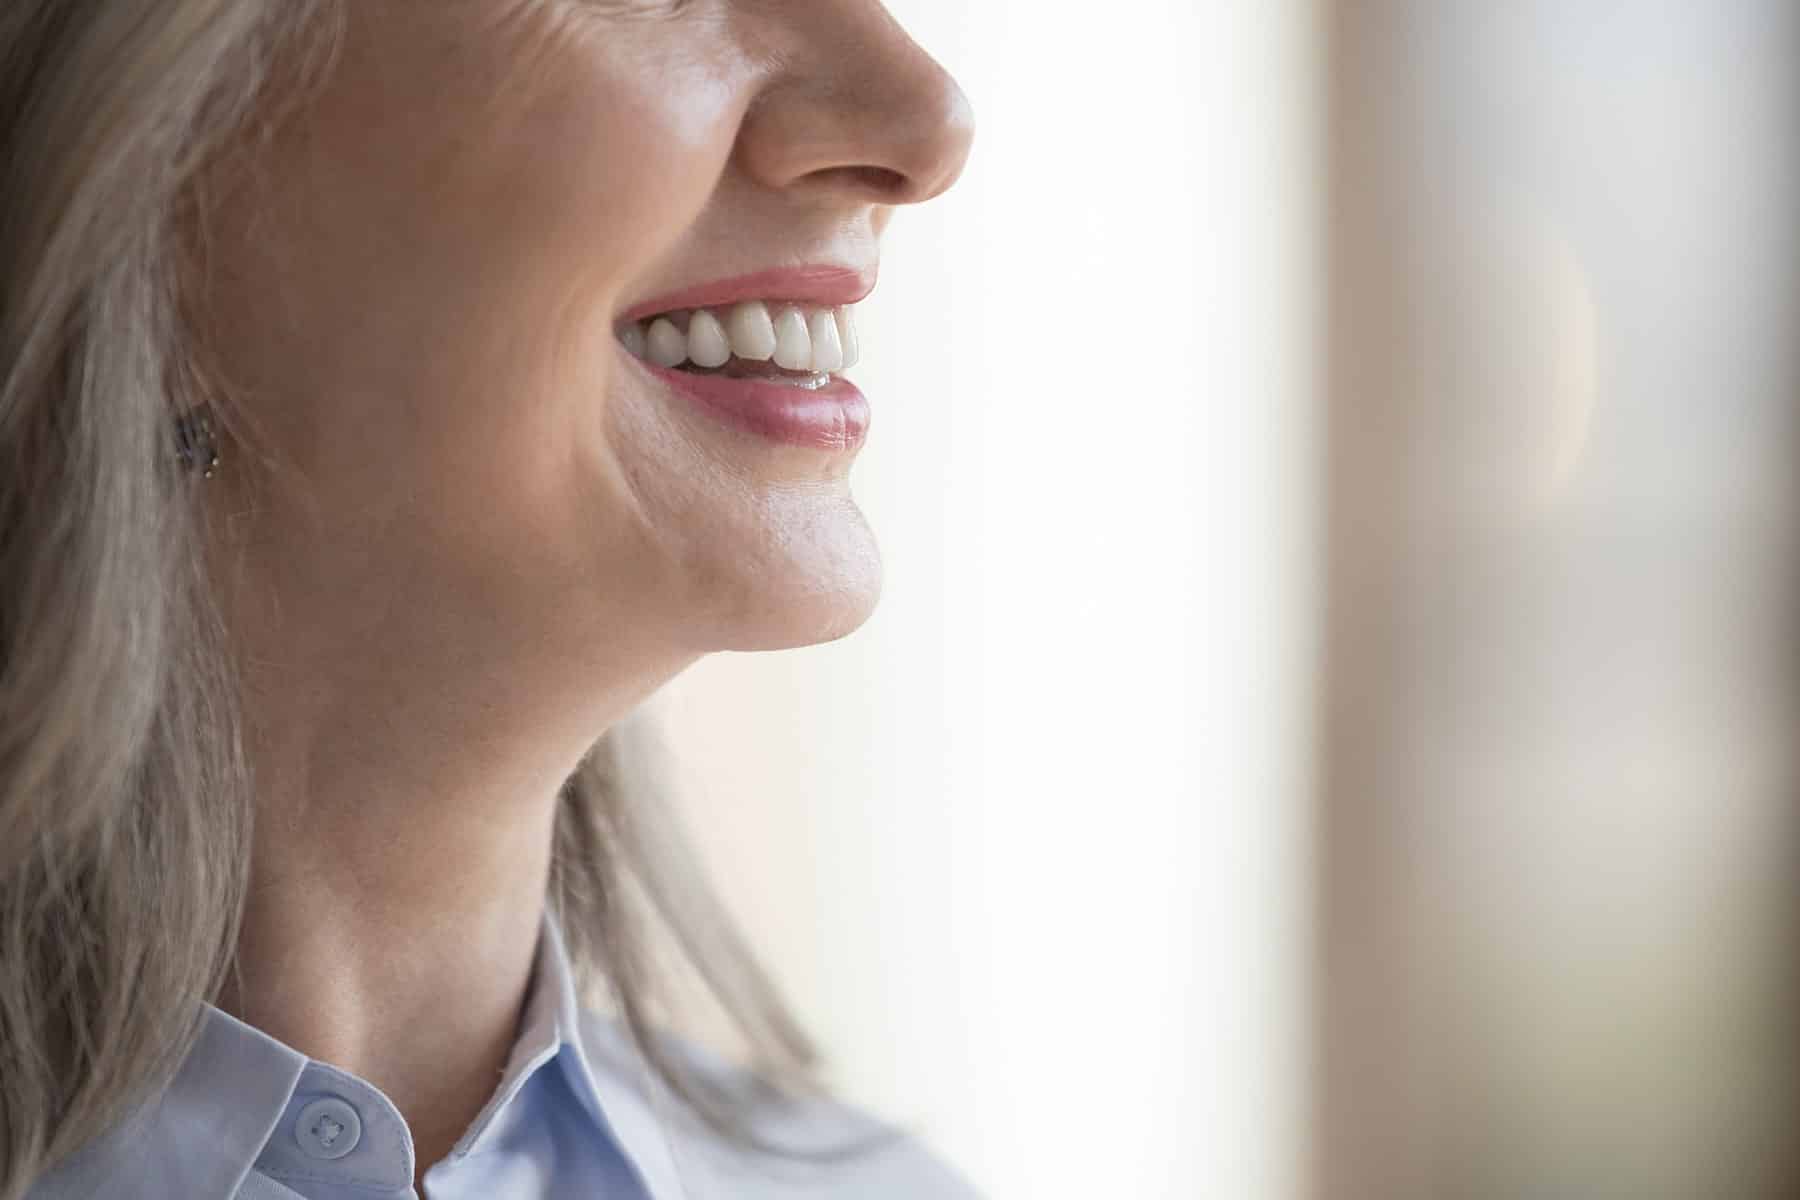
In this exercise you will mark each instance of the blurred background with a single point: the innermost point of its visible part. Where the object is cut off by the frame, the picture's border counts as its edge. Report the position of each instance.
(1326, 732)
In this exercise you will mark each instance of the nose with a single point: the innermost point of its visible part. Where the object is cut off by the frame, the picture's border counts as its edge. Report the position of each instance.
(857, 111)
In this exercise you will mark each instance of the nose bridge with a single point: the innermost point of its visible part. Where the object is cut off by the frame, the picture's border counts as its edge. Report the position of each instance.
(855, 106)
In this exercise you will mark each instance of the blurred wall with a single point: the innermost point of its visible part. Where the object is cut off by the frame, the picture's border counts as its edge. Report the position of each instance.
(1031, 847)
(1559, 710)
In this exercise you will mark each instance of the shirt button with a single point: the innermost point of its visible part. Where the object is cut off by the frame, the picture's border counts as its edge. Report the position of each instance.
(328, 1128)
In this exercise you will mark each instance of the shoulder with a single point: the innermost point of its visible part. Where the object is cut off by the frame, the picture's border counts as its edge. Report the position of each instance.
(844, 1151)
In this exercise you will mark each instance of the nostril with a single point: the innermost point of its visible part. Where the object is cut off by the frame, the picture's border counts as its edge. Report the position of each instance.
(863, 116)
(881, 182)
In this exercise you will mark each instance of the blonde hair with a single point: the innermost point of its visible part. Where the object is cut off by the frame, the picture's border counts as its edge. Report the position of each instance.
(125, 793)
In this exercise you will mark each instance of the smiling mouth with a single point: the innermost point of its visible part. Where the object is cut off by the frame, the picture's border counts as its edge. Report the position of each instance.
(799, 345)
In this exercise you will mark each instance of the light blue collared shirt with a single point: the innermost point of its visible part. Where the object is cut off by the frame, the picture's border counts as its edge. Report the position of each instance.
(576, 1114)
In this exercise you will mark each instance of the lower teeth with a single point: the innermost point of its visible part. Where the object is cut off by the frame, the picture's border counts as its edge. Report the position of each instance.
(767, 372)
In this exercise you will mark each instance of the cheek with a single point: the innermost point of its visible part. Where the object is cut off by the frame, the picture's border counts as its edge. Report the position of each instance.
(450, 231)
(511, 179)
(600, 169)
(573, 190)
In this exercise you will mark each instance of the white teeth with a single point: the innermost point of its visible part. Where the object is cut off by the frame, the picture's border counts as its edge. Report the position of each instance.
(633, 337)
(752, 332)
(846, 327)
(827, 348)
(667, 344)
(707, 344)
(793, 344)
(817, 340)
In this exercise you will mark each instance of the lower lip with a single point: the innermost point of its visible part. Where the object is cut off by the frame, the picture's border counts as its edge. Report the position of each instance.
(834, 417)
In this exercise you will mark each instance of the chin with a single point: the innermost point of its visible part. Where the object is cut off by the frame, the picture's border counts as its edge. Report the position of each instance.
(805, 611)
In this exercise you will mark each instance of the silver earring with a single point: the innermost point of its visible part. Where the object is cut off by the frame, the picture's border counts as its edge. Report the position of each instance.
(194, 442)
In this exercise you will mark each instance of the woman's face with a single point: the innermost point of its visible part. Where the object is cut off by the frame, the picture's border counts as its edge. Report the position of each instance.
(419, 303)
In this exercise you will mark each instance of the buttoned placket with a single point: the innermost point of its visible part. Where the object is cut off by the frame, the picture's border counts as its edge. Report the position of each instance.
(339, 1137)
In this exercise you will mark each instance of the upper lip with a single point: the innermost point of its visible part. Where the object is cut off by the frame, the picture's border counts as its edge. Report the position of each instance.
(826, 285)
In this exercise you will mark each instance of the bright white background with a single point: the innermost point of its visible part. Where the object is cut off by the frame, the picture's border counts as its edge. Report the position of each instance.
(1030, 849)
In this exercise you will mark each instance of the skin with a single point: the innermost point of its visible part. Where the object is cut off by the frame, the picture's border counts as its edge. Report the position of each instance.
(456, 537)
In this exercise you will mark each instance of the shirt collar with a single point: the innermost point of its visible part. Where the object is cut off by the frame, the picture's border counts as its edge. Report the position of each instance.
(618, 1097)
(200, 1136)
(611, 1080)
(236, 1100)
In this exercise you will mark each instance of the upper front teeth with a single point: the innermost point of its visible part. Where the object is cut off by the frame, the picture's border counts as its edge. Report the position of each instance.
(827, 343)
(799, 339)
(752, 331)
(707, 344)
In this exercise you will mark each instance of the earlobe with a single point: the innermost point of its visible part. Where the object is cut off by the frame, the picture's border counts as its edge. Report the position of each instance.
(195, 444)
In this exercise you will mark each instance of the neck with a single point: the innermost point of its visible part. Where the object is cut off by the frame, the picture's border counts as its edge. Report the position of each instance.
(400, 861)
(408, 763)
(364, 917)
